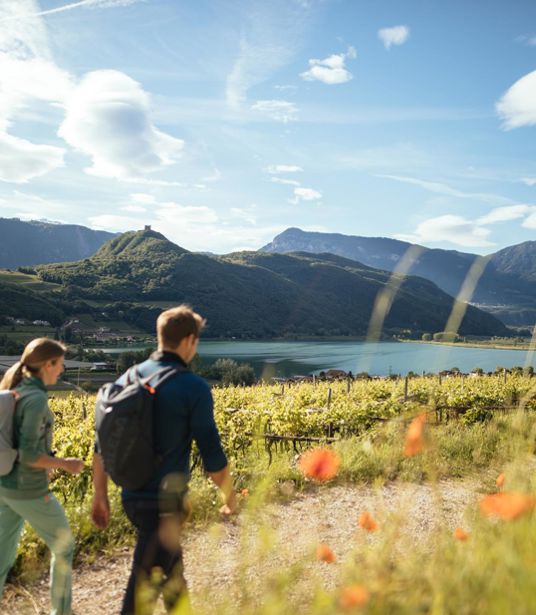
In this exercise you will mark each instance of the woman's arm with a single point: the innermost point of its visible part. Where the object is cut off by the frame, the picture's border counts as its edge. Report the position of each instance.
(69, 464)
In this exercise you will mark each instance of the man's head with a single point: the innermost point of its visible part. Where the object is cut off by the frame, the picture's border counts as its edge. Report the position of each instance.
(178, 330)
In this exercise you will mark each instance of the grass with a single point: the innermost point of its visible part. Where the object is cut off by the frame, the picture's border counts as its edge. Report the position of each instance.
(493, 572)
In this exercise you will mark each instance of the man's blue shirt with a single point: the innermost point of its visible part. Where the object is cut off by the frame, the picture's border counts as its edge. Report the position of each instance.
(184, 411)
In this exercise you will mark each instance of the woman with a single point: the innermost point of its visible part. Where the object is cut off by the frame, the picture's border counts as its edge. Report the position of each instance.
(24, 492)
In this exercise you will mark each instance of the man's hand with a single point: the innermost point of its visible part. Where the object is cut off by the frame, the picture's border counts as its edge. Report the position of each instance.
(100, 511)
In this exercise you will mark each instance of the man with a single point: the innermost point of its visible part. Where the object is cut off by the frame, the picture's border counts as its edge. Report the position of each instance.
(184, 412)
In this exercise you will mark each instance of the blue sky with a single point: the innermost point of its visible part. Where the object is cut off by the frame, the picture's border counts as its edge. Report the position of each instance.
(223, 122)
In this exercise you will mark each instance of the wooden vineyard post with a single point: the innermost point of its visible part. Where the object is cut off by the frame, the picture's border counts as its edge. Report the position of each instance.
(348, 386)
(314, 382)
(406, 385)
(329, 397)
(504, 375)
(463, 382)
(440, 380)
(283, 389)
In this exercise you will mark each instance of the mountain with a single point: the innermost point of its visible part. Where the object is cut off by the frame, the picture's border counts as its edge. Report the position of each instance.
(252, 294)
(506, 288)
(36, 242)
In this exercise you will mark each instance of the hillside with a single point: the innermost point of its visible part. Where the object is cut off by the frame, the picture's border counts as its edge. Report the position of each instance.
(35, 242)
(251, 294)
(507, 287)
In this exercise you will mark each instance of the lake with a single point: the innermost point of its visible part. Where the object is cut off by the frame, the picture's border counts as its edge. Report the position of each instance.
(282, 359)
(291, 358)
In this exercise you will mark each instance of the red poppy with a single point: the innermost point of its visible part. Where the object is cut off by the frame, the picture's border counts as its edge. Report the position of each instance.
(367, 522)
(507, 505)
(320, 464)
(353, 596)
(325, 554)
(459, 534)
(414, 436)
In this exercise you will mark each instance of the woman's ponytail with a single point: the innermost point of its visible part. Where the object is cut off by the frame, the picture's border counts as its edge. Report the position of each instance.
(13, 376)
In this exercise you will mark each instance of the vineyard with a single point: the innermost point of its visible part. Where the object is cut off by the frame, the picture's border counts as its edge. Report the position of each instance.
(264, 427)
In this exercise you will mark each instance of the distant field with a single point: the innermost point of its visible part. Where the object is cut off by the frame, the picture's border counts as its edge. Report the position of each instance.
(29, 281)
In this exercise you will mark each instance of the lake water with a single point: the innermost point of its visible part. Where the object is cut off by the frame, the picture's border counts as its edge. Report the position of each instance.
(293, 358)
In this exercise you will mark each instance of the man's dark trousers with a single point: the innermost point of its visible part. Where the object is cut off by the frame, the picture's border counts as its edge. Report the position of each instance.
(152, 562)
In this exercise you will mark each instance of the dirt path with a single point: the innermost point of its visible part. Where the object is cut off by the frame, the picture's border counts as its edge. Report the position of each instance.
(328, 515)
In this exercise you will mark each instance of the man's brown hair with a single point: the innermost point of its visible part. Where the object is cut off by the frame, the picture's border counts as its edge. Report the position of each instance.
(173, 325)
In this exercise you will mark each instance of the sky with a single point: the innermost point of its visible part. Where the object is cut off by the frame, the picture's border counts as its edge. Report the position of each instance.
(221, 123)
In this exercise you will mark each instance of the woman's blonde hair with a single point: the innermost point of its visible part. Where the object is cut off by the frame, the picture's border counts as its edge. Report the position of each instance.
(35, 355)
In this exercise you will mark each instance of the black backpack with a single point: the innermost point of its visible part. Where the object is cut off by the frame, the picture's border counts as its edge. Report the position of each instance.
(124, 427)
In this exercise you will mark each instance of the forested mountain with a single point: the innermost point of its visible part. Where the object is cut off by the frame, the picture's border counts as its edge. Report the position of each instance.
(35, 242)
(507, 287)
(251, 294)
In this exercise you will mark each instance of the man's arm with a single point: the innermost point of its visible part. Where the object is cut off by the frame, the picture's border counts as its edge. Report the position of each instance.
(223, 480)
(100, 509)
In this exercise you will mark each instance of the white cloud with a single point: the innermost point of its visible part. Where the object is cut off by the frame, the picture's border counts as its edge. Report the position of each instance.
(142, 197)
(285, 182)
(284, 168)
(280, 110)
(517, 107)
(21, 160)
(530, 222)
(215, 176)
(305, 194)
(107, 118)
(245, 213)
(469, 233)
(27, 75)
(504, 214)
(135, 209)
(397, 35)
(529, 181)
(449, 228)
(330, 70)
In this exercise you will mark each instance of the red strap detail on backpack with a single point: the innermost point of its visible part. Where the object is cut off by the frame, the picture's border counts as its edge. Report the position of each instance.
(151, 389)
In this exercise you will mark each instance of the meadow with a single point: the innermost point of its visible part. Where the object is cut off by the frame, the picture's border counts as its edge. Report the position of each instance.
(474, 429)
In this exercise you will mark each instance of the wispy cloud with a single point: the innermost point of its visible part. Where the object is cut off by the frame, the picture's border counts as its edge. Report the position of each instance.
(284, 168)
(280, 110)
(529, 181)
(285, 182)
(21, 160)
(397, 35)
(504, 214)
(68, 7)
(271, 33)
(331, 70)
(517, 107)
(305, 194)
(446, 190)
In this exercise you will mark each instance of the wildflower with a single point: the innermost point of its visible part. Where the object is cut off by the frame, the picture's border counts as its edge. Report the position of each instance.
(325, 554)
(353, 596)
(500, 480)
(320, 464)
(367, 522)
(414, 439)
(507, 505)
(244, 493)
(459, 534)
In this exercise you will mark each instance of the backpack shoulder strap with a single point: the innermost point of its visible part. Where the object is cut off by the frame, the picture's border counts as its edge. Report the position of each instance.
(160, 376)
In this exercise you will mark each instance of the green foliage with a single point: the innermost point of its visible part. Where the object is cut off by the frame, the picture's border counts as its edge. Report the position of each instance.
(254, 295)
